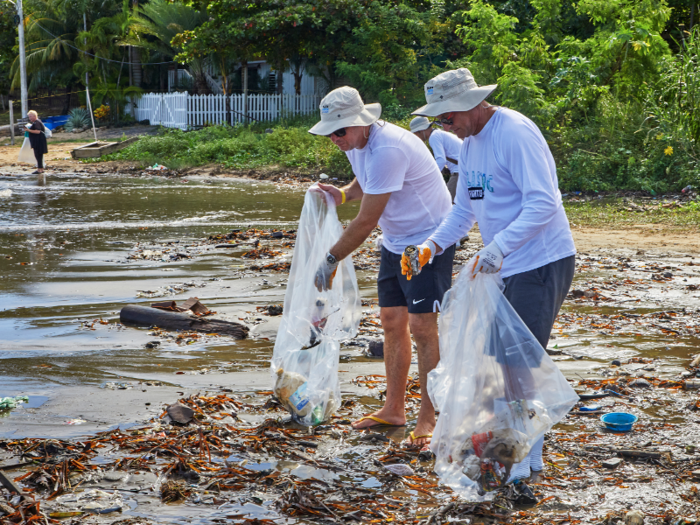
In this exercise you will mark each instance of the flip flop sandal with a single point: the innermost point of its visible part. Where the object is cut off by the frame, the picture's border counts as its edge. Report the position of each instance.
(414, 438)
(378, 420)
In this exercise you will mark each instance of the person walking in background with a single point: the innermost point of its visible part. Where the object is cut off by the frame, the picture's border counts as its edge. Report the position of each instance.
(37, 139)
(402, 190)
(508, 184)
(445, 148)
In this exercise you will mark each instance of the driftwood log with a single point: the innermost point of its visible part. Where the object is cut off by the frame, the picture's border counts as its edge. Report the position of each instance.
(147, 316)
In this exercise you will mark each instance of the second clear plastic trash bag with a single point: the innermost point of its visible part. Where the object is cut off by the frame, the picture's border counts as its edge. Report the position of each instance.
(496, 388)
(305, 359)
(26, 153)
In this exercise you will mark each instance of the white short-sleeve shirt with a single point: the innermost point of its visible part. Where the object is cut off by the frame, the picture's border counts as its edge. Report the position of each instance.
(396, 161)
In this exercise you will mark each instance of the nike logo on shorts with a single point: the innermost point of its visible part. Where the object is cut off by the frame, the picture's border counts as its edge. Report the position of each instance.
(416, 302)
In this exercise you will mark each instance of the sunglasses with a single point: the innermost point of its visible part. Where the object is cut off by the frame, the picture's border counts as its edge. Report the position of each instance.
(445, 120)
(338, 133)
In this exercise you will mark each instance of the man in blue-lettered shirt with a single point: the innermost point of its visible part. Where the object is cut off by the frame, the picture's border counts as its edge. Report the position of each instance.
(508, 184)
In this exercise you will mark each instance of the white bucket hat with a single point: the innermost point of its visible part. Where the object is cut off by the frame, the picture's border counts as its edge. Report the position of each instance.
(419, 124)
(343, 107)
(453, 90)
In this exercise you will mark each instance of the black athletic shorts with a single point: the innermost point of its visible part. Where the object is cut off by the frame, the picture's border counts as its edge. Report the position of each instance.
(423, 293)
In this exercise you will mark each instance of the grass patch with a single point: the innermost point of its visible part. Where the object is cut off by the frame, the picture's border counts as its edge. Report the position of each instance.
(620, 214)
(288, 145)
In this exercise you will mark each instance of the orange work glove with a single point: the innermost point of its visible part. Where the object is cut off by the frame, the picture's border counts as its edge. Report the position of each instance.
(415, 257)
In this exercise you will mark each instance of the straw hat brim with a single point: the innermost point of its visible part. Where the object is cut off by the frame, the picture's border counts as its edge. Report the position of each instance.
(462, 102)
(368, 116)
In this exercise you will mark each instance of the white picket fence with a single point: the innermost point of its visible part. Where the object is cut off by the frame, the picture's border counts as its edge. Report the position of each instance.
(185, 111)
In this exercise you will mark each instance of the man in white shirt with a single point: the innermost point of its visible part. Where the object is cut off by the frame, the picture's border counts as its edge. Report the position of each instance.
(508, 184)
(445, 146)
(402, 190)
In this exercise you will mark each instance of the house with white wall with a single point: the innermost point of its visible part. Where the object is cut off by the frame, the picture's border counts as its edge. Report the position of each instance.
(257, 69)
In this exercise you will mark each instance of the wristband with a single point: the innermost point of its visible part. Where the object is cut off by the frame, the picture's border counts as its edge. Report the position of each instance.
(342, 192)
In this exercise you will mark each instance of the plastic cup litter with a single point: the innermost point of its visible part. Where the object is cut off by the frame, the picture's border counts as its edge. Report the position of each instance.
(619, 421)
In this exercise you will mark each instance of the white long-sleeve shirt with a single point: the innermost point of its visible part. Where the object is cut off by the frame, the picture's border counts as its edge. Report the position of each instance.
(508, 184)
(445, 145)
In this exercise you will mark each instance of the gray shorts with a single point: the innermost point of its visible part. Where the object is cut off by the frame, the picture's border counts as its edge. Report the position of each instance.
(423, 293)
(452, 185)
(537, 295)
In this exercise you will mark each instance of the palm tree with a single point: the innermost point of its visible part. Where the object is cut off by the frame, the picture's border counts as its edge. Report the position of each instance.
(153, 27)
(51, 40)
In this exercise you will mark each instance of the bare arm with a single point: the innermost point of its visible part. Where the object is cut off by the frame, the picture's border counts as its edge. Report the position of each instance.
(359, 229)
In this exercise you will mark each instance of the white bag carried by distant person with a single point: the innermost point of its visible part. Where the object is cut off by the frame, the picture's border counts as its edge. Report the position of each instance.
(26, 154)
(304, 364)
(496, 388)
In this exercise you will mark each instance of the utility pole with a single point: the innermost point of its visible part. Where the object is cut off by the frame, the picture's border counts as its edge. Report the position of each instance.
(22, 61)
(84, 43)
(87, 87)
(12, 125)
(245, 92)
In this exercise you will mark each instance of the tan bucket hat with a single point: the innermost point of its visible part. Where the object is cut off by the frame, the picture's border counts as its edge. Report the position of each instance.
(419, 124)
(343, 107)
(453, 90)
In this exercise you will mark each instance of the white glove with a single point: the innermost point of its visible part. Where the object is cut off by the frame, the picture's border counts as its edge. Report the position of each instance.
(488, 260)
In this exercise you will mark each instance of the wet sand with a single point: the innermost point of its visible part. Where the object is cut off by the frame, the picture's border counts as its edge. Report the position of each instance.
(89, 246)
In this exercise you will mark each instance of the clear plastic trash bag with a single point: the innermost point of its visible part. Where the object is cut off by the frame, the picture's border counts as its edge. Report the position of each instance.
(26, 154)
(496, 388)
(305, 359)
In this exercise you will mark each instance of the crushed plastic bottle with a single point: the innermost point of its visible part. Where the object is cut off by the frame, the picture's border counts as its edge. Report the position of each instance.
(8, 403)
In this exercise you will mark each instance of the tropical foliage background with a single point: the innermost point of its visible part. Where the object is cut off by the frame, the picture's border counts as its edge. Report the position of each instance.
(614, 84)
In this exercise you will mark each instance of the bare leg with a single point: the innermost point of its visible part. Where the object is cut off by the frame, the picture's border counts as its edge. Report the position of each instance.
(425, 331)
(397, 360)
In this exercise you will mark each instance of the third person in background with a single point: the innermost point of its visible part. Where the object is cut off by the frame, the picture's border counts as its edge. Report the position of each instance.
(445, 146)
(508, 184)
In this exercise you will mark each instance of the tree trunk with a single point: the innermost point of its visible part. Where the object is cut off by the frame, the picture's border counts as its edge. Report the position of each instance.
(297, 82)
(137, 70)
(224, 74)
(280, 81)
(200, 84)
